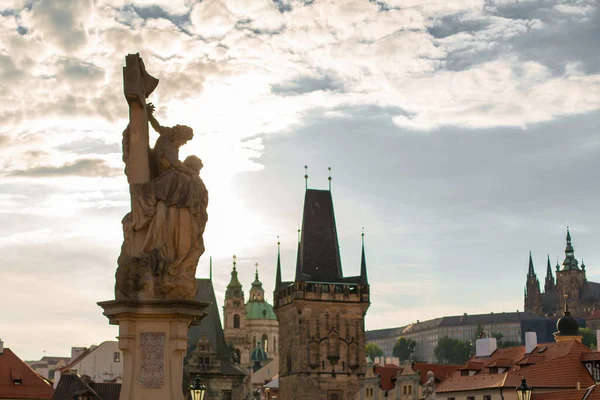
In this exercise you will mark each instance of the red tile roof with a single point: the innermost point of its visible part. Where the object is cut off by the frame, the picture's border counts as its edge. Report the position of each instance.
(550, 365)
(387, 375)
(32, 385)
(591, 393)
(440, 371)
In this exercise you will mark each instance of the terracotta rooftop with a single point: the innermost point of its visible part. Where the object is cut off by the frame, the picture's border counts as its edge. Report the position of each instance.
(31, 386)
(591, 393)
(549, 366)
(440, 371)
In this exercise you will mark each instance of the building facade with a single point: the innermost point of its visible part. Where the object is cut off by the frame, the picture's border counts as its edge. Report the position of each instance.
(102, 363)
(464, 327)
(247, 323)
(321, 313)
(571, 283)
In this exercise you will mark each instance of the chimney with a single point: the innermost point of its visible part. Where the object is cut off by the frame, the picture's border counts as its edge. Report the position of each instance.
(1, 347)
(530, 342)
(485, 347)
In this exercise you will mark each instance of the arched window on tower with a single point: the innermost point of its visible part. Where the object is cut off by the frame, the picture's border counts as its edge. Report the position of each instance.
(265, 341)
(236, 321)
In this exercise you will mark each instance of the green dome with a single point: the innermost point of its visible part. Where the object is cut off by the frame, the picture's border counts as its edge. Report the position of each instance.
(259, 310)
(258, 354)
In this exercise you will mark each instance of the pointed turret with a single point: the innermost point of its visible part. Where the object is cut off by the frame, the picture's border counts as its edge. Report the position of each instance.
(570, 262)
(363, 264)
(319, 255)
(278, 273)
(234, 288)
(549, 285)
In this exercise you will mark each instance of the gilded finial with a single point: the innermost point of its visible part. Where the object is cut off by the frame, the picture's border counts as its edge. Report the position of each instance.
(306, 176)
(256, 266)
(234, 257)
(278, 243)
(329, 179)
(363, 235)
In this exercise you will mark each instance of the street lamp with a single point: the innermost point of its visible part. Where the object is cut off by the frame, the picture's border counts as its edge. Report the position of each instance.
(523, 391)
(198, 390)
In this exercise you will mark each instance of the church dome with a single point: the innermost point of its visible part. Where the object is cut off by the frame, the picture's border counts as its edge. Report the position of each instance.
(567, 325)
(260, 310)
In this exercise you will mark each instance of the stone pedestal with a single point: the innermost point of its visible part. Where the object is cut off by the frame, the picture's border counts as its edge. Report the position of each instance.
(153, 338)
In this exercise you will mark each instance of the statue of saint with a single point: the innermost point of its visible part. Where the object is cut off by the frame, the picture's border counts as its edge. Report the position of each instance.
(429, 387)
(163, 232)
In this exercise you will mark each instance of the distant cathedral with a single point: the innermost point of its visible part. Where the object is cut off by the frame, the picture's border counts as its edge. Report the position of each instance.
(571, 285)
(321, 313)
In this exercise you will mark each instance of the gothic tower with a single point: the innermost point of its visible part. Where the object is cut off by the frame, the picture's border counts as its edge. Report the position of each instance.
(234, 317)
(533, 296)
(321, 313)
(570, 281)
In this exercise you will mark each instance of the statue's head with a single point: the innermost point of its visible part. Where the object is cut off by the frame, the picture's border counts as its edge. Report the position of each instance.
(194, 163)
(181, 134)
(430, 375)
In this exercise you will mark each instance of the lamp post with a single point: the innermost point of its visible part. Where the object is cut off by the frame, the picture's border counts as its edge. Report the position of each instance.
(523, 391)
(197, 389)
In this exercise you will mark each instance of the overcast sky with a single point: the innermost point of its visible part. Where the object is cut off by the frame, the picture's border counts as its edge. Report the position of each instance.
(461, 135)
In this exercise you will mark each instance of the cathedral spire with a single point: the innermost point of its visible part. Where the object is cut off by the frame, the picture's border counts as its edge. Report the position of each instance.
(363, 262)
(278, 274)
(531, 271)
(549, 285)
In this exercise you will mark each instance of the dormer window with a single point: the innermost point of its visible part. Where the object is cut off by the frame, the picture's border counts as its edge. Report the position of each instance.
(493, 370)
(17, 382)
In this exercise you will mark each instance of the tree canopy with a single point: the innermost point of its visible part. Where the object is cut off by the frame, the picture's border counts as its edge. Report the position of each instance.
(589, 337)
(404, 348)
(373, 350)
(452, 351)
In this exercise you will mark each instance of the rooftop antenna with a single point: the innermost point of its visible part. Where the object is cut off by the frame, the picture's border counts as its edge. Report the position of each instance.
(329, 169)
(306, 177)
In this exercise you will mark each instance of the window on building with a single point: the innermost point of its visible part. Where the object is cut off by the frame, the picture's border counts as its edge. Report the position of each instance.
(265, 342)
(236, 321)
(470, 397)
(117, 356)
(227, 395)
(487, 397)
(17, 382)
(451, 398)
(410, 390)
(493, 370)
(404, 389)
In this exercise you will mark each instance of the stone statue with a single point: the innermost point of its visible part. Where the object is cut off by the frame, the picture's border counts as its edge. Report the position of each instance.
(429, 387)
(163, 232)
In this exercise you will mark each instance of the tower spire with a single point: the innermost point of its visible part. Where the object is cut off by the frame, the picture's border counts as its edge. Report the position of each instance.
(278, 274)
(329, 179)
(363, 262)
(234, 288)
(570, 263)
